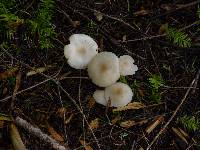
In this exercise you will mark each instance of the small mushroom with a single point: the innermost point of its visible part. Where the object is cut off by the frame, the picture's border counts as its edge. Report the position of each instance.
(80, 51)
(104, 69)
(119, 94)
(99, 96)
(126, 65)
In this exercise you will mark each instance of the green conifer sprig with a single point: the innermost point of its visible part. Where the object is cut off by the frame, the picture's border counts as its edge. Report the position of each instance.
(42, 23)
(190, 123)
(179, 38)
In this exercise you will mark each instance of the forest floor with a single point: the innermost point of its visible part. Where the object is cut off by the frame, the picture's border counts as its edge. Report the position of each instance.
(37, 84)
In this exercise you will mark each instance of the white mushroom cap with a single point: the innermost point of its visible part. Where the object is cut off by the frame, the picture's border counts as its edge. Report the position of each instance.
(99, 96)
(80, 51)
(126, 65)
(104, 69)
(119, 93)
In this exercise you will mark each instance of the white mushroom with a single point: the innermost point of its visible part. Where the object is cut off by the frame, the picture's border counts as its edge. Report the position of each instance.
(80, 51)
(126, 65)
(119, 94)
(104, 69)
(99, 96)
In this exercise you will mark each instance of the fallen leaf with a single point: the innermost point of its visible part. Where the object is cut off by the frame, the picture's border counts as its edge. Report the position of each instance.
(94, 124)
(117, 118)
(38, 70)
(130, 123)
(91, 102)
(127, 124)
(15, 138)
(133, 105)
(85, 145)
(76, 24)
(141, 13)
(98, 15)
(54, 134)
(157, 121)
(9, 73)
(61, 111)
(181, 134)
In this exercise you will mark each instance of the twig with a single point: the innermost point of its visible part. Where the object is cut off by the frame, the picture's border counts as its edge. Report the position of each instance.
(38, 133)
(17, 84)
(196, 81)
(172, 117)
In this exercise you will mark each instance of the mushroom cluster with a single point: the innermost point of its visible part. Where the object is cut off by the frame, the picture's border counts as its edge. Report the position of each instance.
(103, 68)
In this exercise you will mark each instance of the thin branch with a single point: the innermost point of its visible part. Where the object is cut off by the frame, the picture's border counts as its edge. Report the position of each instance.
(38, 133)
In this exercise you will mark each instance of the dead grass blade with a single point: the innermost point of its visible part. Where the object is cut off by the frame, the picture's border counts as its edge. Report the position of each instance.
(132, 106)
(85, 145)
(157, 121)
(54, 134)
(15, 138)
(9, 73)
(181, 134)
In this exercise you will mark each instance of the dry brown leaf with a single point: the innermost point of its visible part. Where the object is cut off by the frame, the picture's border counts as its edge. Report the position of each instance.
(85, 145)
(9, 73)
(61, 111)
(54, 134)
(99, 16)
(76, 24)
(127, 124)
(38, 70)
(157, 121)
(94, 124)
(180, 134)
(15, 138)
(141, 12)
(91, 102)
(133, 105)
(117, 118)
(130, 123)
